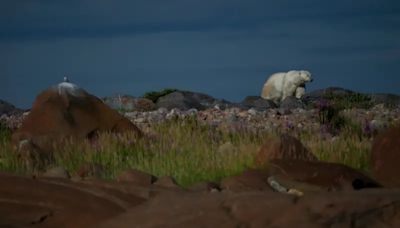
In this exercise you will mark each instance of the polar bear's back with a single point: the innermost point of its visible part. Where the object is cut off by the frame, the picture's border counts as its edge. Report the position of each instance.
(272, 89)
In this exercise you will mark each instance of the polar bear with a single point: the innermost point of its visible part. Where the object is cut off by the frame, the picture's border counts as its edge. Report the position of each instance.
(282, 85)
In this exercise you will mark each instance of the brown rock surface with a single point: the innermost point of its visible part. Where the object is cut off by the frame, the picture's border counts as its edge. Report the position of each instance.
(284, 147)
(250, 180)
(265, 209)
(59, 203)
(135, 176)
(386, 156)
(329, 176)
(57, 114)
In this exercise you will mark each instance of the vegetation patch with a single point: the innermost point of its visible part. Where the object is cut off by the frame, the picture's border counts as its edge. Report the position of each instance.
(154, 95)
(188, 151)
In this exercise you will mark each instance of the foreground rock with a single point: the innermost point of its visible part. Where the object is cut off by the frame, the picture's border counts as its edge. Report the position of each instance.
(67, 111)
(327, 176)
(386, 156)
(265, 209)
(56, 203)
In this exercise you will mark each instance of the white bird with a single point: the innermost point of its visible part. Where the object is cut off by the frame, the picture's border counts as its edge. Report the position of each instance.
(69, 88)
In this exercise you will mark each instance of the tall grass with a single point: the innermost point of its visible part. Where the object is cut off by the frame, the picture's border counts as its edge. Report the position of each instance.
(186, 150)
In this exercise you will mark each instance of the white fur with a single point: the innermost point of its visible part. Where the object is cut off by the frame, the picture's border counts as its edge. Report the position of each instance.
(300, 91)
(282, 85)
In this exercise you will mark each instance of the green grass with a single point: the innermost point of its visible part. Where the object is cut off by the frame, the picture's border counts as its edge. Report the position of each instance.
(187, 151)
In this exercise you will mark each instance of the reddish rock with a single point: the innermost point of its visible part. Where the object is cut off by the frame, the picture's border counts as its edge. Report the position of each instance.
(265, 209)
(284, 147)
(386, 156)
(89, 170)
(66, 111)
(330, 176)
(250, 180)
(59, 203)
(166, 182)
(135, 176)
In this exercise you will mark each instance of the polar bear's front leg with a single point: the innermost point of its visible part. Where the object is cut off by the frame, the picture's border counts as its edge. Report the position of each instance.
(289, 90)
(300, 91)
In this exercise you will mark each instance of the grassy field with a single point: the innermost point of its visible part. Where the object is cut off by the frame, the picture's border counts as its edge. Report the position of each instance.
(186, 150)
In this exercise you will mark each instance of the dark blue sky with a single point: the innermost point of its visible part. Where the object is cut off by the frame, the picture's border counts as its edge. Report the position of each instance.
(226, 48)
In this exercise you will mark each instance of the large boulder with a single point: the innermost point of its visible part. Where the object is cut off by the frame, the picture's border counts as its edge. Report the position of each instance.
(8, 109)
(385, 157)
(185, 100)
(258, 103)
(66, 111)
(283, 147)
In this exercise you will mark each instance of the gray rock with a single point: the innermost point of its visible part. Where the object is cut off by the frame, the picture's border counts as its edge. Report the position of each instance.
(180, 100)
(57, 172)
(257, 103)
(384, 98)
(8, 109)
(292, 103)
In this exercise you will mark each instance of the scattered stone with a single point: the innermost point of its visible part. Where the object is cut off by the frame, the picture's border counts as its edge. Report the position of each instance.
(385, 157)
(57, 172)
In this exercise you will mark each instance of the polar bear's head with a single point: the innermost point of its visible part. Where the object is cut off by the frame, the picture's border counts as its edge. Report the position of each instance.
(299, 77)
(305, 76)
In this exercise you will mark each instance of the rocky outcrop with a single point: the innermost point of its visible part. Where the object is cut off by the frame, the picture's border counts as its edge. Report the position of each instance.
(385, 157)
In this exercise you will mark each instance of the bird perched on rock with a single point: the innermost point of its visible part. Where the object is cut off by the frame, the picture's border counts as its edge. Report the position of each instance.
(66, 79)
